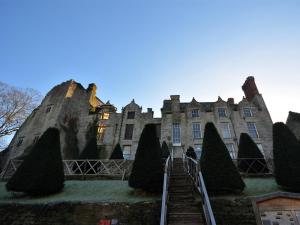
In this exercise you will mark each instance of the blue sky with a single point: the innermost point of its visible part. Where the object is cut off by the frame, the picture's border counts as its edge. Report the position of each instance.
(148, 50)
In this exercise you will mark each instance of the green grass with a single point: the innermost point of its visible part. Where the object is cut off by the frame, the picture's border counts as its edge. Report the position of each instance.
(259, 186)
(83, 191)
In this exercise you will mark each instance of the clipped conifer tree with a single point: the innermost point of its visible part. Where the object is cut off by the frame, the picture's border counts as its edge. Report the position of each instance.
(117, 153)
(250, 159)
(165, 150)
(286, 151)
(190, 152)
(41, 172)
(219, 172)
(147, 169)
(90, 151)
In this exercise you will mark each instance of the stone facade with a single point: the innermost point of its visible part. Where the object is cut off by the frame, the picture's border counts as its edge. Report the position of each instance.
(293, 122)
(76, 111)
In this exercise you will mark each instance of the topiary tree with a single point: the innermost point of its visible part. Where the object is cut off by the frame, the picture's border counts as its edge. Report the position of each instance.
(90, 151)
(41, 172)
(165, 150)
(190, 152)
(147, 169)
(250, 159)
(219, 172)
(286, 151)
(117, 153)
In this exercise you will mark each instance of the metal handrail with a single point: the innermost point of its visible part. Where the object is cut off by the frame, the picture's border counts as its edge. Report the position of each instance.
(194, 171)
(165, 195)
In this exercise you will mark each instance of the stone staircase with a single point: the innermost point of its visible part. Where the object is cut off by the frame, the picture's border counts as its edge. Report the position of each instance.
(183, 208)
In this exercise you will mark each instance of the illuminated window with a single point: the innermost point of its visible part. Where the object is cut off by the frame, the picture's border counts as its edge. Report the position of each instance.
(196, 130)
(252, 130)
(128, 132)
(176, 133)
(131, 115)
(222, 112)
(225, 130)
(230, 148)
(101, 132)
(195, 113)
(105, 116)
(247, 112)
(127, 152)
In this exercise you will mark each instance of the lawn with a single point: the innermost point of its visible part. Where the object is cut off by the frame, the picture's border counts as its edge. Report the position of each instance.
(83, 191)
(259, 186)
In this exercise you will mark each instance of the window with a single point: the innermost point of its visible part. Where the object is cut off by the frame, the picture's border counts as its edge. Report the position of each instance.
(128, 131)
(101, 132)
(127, 152)
(130, 115)
(252, 130)
(222, 112)
(195, 113)
(198, 150)
(260, 147)
(230, 148)
(20, 142)
(176, 133)
(48, 109)
(225, 130)
(247, 112)
(196, 130)
(105, 116)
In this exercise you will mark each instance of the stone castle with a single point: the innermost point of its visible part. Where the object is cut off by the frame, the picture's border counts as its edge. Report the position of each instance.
(77, 111)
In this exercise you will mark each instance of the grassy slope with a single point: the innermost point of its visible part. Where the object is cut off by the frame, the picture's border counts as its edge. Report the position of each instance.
(83, 191)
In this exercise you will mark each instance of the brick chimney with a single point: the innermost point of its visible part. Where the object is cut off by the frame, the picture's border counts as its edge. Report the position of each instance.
(230, 101)
(249, 88)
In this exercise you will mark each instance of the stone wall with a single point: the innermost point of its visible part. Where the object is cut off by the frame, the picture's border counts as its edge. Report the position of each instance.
(142, 213)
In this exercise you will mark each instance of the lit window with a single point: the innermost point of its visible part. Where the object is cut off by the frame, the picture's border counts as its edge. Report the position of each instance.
(127, 152)
(198, 150)
(105, 116)
(222, 112)
(101, 132)
(130, 115)
(252, 130)
(195, 113)
(20, 142)
(128, 132)
(225, 130)
(230, 148)
(247, 112)
(176, 133)
(196, 130)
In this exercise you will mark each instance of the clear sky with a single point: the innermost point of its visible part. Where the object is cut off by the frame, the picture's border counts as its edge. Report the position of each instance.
(148, 50)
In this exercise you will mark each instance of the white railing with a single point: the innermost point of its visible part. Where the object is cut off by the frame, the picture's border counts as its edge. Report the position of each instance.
(103, 167)
(192, 167)
(254, 166)
(165, 195)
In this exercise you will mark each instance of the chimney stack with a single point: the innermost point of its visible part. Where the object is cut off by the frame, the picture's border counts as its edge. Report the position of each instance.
(230, 101)
(249, 88)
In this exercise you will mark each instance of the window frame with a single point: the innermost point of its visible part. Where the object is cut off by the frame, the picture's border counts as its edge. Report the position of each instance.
(255, 129)
(176, 134)
(125, 156)
(250, 112)
(228, 129)
(130, 115)
(197, 131)
(195, 113)
(128, 133)
(231, 150)
(220, 113)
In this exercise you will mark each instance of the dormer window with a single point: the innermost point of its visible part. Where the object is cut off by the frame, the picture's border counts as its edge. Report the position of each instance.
(105, 116)
(195, 112)
(222, 112)
(247, 112)
(130, 115)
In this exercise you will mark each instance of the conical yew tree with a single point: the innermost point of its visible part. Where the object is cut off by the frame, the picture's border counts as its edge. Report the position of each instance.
(190, 152)
(90, 151)
(41, 172)
(286, 151)
(165, 150)
(147, 170)
(250, 159)
(219, 172)
(117, 153)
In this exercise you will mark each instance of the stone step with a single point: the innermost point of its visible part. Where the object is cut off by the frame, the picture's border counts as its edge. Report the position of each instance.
(186, 209)
(183, 218)
(181, 198)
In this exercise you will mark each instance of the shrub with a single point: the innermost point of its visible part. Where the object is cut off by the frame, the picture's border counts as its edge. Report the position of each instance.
(219, 172)
(165, 150)
(147, 169)
(286, 151)
(190, 152)
(250, 159)
(117, 153)
(41, 172)
(90, 151)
